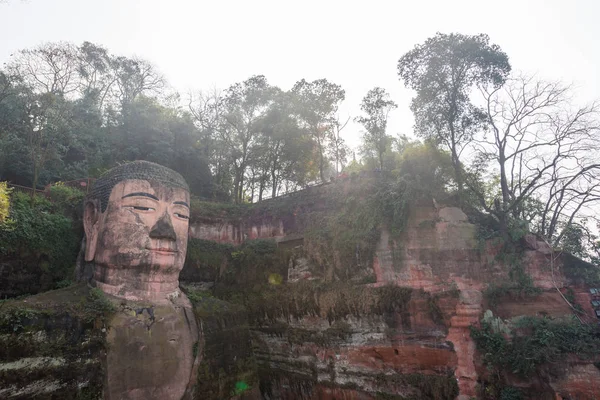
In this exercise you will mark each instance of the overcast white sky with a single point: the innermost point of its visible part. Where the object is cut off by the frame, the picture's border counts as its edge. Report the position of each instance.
(202, 44)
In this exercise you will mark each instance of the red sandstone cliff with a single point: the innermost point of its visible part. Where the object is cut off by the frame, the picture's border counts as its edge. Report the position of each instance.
(439, 256)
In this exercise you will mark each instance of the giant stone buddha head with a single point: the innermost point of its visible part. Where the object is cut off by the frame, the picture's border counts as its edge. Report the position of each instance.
(136, 227)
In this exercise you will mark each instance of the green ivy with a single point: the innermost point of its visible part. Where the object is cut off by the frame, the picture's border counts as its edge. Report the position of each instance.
(67, 200)
(579, 271)
(207, 253)
(334, 301)
(534, 341)
(200, 209)
(255, 262)
(38, 234)
(520, 283)
(4, 202)
(96, 305)
(343, 232)
(511, 393)
(341, 223)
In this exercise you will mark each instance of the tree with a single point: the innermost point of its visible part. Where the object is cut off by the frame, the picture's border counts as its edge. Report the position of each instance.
(135, 77)
(168, 136)
(5, 86)
(48, 68)
(545, 153)
(317, 103)
(377, 105)
(246, 104)
(69, 112)
(208, 111)
(40, 114)
(47, 130)
(425, 169)
(96, 76)
(442, 71)
(337, 147)
(284, 147)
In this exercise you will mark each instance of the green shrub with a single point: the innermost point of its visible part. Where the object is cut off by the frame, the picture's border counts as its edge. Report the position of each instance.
(343, 234)
(40, 235)
(200, 209)
(67, 200)
(579, 271)
(207, 253)
(96, 305)
(520, 283)
(511, 393)
(255, 262)
(4, 202)
(534, 341)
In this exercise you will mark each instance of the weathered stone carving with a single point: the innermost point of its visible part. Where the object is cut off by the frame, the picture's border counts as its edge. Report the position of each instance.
(136, 227)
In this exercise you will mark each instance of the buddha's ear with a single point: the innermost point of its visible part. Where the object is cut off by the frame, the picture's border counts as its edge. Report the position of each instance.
(91, 226)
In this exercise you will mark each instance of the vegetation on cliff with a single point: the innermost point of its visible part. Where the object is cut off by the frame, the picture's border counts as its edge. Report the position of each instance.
(41, 238)
(228, 367)
(340, 223)
(332, 301)
(519, 284)
(4, 203)
(59, 334)
(533, 347)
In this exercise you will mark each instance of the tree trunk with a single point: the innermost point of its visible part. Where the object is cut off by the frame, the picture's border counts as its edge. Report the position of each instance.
(236, 185)
(321, 162)
(35, 180)
(274, 187)
(503, 181)
(261, 189)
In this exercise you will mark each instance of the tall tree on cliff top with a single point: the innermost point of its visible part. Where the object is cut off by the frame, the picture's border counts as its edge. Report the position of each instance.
(246, 105)
(48, 68)
(208, 109)
(95, 73)
(285, 148)
(442, 71)
(317, 105)
(545, 153)
(338, 149)
(377, 105)
(47, 78)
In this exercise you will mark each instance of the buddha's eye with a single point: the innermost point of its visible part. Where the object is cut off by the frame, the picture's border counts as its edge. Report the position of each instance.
(183, 216)
(142, 208)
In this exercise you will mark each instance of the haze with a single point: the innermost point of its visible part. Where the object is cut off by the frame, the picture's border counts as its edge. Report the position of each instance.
(200, 45)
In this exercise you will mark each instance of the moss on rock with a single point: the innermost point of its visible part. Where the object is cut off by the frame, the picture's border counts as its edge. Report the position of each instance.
(53, 345)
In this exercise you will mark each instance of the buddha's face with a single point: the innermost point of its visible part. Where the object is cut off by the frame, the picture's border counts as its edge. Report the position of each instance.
(140, 241)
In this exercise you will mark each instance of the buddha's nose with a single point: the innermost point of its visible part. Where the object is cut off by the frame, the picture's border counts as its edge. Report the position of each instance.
(163, 229)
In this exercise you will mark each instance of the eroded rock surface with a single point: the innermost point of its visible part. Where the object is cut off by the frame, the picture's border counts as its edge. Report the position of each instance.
(425, 350)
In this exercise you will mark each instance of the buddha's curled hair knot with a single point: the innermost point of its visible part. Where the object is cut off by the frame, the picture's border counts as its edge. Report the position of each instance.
(143, 170)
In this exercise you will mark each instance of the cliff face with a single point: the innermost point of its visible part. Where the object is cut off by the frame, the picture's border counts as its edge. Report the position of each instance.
(400, 327)
(53, 345)
(340, 300)
(76, 343)
(401, 349)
